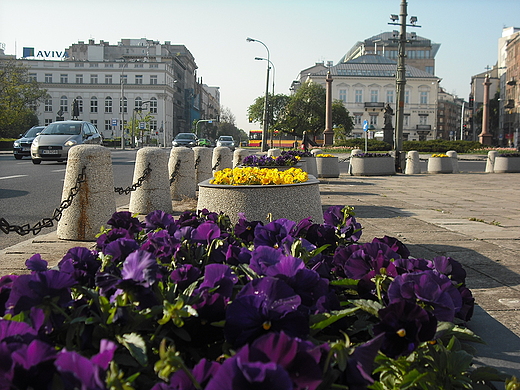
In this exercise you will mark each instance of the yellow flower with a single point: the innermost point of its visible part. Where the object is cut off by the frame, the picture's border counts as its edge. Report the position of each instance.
(325, 155)
(440, 155)
(262, 176)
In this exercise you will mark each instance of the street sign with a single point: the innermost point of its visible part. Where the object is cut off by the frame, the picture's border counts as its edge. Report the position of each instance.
(114, 122)
(142, 125)
(365, 125)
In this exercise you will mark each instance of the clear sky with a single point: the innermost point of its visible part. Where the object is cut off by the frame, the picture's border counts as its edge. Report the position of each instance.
(297, 32)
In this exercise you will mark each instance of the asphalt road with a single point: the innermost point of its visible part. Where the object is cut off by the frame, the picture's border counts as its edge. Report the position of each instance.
(29, 193)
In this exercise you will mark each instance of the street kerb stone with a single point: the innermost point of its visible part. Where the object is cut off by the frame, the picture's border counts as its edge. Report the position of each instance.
(95, 202)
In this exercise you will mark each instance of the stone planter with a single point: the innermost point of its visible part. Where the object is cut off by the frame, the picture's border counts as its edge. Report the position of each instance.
(312, 168)
(507, 164)
(372, 166)
(440, 165)
(327, 166)
(292, 201)
(279, 167)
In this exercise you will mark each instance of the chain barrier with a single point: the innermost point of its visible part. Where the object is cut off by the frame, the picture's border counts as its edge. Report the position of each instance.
(217, 163)
(175, 171)
(46, 222)
(133, 187)
(197, 162)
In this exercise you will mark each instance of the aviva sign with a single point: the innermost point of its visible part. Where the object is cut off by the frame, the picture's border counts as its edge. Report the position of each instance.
(44, 54)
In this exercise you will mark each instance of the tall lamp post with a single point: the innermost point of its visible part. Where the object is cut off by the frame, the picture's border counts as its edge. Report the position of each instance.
(400, 20)
(122, 125)
(266, 103)
(271, 113)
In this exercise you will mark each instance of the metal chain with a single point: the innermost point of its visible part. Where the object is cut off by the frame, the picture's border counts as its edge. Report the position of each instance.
(217, 163)
(46, 222)
(197, 162)
(175, 171)
(133, 187)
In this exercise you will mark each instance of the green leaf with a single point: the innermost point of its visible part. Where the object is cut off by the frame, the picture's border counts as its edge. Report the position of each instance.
(321, 321)
(369, 306)
(344, 282)
(136, 346)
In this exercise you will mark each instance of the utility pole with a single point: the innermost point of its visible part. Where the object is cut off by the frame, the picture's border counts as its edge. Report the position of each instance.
(401, 80)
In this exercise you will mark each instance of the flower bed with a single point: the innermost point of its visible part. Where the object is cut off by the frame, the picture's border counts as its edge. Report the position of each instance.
(327, 165)
(440, 163)
(267, 161)
(372, 164)
(199, 303)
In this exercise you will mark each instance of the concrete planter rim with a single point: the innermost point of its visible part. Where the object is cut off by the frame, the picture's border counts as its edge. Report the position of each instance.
(206, 183)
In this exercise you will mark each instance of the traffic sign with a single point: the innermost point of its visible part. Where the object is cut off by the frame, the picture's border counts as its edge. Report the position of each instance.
(114, 122)
(142, 125)
(365, 125)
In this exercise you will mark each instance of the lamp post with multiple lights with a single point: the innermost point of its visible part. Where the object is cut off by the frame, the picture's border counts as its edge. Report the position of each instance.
(270, 114)
(400, 20)
(266, 102)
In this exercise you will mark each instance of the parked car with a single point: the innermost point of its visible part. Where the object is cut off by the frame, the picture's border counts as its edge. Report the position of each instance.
(226, 140)
(185, 139)
(205, 142)
(55, 141)
(22, 146)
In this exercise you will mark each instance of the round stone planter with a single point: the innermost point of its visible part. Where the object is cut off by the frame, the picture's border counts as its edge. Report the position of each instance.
(291, 201)
(507, 164)
(327, 166)
(440, 165)
(279, 167)
(372, 166)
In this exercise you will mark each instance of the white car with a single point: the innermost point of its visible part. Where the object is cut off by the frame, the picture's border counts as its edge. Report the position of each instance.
(226, 140)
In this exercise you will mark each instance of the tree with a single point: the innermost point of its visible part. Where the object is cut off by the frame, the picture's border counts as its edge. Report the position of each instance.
(341, 120)
(226, 125)
(18, 97)
(277, 105)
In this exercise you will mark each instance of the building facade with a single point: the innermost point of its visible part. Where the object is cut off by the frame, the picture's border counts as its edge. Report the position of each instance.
(366, 84)
(452, 115)
(114, 84)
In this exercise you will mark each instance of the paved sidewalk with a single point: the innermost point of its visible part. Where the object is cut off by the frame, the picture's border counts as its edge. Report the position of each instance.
(472, 217)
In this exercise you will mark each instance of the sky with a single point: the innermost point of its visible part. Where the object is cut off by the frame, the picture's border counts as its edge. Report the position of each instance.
(298, 33)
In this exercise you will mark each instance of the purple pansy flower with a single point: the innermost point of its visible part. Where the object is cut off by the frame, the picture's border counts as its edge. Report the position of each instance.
(111, 236)
(346, 224)
(203, 372)
(274, 233)
(140, 267)
(6, 284)
(429, 287)
(264, 305)
(394, 244)
(158, 219)
(405, 325)
(185, 275)
(36, 263)
(32, 365)
(205, 233)
(358, 374)
(162, 245)
(125, 220)
(82, 264)
(245, 230)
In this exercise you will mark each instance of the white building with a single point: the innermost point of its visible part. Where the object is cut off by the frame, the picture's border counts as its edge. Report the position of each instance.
(366, 84)
(156, 79)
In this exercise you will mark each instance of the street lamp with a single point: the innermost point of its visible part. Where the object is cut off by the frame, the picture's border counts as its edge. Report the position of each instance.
(270, 113)
(400, 78)
(266, 103)
(122, 125)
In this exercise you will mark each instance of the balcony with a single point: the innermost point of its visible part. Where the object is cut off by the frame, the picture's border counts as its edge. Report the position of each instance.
(374, 106)
(423, 127)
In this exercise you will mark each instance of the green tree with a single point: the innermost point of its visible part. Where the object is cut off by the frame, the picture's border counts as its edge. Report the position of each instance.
(227, 126)
(277, 106)
(341, 121)
(18, 97)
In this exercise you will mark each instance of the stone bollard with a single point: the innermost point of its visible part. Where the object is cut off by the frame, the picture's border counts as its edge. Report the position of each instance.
(222, 158)
(490, 163)
(274, 153)
(181, 168)
(94, 203)
(352, 152)
(154, 193)
(413, 163)
(454, 160)
(239, 155)
(202, 163)
(316, 151)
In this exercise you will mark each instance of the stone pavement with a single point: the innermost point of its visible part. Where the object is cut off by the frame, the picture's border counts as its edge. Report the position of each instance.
(472, 217)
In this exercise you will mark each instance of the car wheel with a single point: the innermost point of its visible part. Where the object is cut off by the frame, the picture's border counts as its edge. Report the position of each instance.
(18, 157)
(36, 161)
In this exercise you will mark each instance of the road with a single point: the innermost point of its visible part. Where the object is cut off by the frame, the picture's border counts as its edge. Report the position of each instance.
(29, 193)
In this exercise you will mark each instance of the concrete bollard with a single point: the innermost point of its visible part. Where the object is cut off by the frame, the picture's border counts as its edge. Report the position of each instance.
(352, 152)
(413, 163)
(222, 158)
(490, 163)
(182, 167)
(454, 160)
(95, 201)
(316, 151)
(274, 153)
(154, 193)
(239, 155)
(202, 160)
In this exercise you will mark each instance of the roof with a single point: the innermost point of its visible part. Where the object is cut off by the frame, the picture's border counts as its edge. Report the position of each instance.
(371, 66)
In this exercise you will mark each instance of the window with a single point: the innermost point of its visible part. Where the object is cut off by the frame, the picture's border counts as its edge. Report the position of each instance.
(108, 104)
(94, 122)
(424, 97)
(343, 95)
(48, 105)
(64, 105)
(138, 103)
(389, 96)
(79, 79)
(139, 79)
(124, 79)
(407, 97)
(423, 119)
(108, 125)
(33, 77)
(80, 65)
(429, 69)
(153, 106)
(359, 96)
(93, 79)
(374, 96)
(406, 119)
(108, 79)
(109, 65)
(373, 120)
(47, 122)
(154, 66)
(153, 125)
(94, 65)
(358, 119)
(125, 105)
(79, 99)
(93, 104)
(153, 80)
(48, 77)
(64, 78)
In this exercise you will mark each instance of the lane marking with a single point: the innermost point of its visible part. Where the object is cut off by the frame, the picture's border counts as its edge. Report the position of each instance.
(12, 177)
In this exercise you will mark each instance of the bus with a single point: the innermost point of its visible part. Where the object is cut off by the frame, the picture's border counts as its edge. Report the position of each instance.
(277, 140)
